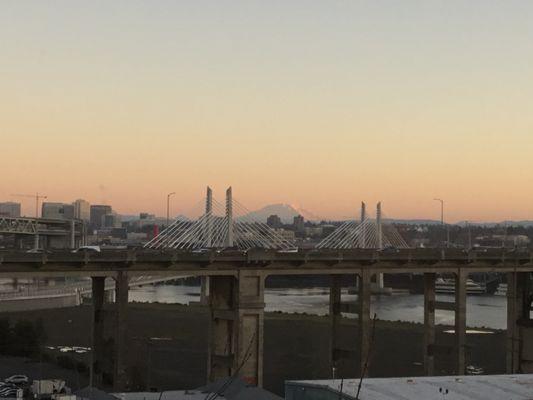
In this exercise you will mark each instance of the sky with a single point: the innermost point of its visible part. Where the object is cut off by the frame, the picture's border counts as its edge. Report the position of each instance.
(321, 104)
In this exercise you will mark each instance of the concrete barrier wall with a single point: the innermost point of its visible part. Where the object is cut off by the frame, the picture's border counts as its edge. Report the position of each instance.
(40, 303)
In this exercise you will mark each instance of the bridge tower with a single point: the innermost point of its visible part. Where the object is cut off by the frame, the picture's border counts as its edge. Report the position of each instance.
(209, 217)
(363, 219)
(229, 217)
(379, 226)
(204, 280)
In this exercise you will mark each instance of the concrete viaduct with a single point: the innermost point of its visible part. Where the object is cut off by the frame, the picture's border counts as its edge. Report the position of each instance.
(236, 295)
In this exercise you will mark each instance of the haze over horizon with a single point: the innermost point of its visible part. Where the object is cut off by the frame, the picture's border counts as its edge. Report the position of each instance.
(321, 104)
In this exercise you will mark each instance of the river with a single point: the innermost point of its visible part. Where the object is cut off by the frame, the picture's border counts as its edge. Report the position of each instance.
(487, 311)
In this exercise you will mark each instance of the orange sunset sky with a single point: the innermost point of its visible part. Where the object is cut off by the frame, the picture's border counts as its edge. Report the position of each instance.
(316, 103)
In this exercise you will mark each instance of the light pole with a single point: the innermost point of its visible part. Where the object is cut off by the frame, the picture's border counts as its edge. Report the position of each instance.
(168, 206)
(441, 215)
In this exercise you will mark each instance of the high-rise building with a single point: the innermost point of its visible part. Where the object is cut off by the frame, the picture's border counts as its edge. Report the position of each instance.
(57, 210)
(98, 212)
(10, 209)
(298, 223)
(111, 221)
(82, 210)
(274, 221)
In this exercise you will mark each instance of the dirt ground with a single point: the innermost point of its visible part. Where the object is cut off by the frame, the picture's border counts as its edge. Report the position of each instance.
(296, 346)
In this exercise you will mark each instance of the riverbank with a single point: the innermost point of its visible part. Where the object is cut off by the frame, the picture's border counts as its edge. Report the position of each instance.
(168, 345)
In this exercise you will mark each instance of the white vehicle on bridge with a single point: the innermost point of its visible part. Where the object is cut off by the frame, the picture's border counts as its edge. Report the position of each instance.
(94, 249)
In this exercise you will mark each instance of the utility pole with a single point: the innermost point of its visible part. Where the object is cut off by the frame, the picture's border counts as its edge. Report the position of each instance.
(442, 217)
(168, 207)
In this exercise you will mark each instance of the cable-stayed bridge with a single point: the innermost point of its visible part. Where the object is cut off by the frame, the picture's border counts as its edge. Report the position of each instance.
(220, 226)
(236, 297)
(231, 225)
(368, 233)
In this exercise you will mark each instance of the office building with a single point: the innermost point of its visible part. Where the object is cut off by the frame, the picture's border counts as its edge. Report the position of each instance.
(298, 223)
(51, 210)
(112, 220)
(274, 221)
(98, 211)
(10, 209)
(82, 210)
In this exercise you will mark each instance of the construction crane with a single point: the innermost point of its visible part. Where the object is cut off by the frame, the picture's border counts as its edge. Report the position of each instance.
(35, 196)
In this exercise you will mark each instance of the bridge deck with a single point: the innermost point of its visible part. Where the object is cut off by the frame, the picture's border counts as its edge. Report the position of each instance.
(142, 261)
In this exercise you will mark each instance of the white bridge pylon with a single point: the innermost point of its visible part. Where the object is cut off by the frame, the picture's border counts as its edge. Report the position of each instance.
(220, 226)
(364, 234)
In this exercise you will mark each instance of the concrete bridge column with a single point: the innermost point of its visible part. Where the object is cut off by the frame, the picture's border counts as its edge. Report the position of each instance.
(519, 323)
(460, 321)
(97, 347)
(364, 317)
(221, 346)
(335, 318)
(204, 290)
(250, 309)
(236, 328)
(429, 323)
(120, 379)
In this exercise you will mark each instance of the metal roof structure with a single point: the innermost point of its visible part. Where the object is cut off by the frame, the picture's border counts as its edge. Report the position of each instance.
(479, 387)
(222, 389)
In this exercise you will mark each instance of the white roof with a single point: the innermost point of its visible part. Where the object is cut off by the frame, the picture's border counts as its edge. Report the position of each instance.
(167, 395)
(479, 387)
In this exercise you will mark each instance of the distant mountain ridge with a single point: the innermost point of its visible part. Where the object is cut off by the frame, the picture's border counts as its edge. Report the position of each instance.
(522, 223)
(285, 212)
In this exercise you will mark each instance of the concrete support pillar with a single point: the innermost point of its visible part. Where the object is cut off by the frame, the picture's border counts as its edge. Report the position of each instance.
(379, 277)
(250, 310)
(460, 321)
(364, 316)
(120, 382)
(97, 347)
(221, 346)
(335, 319)
(36, 241)
(236, 329)
(204, 290)
(516, 293)
(429, 323)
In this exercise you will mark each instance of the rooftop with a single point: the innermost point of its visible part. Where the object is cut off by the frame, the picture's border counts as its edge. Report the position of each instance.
(480, 387)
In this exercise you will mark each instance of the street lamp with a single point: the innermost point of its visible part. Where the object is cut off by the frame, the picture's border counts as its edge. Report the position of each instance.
(441, 214)
(168, 206)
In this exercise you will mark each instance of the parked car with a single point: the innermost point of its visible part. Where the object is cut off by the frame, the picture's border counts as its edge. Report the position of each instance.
(11, 393)
(17, 379)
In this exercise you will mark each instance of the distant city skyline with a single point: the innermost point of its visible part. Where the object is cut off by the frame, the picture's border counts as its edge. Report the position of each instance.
(283, 210)
(321, 104)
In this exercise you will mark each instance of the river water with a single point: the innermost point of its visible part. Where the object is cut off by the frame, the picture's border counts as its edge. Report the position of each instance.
(487, 311)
